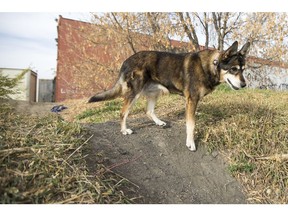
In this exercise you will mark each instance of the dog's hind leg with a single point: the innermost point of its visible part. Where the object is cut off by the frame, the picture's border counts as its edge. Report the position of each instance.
(128, 103)
(152, 91)
(151, 102)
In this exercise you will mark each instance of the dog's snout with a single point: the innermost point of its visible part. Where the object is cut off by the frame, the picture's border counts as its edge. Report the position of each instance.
(243, 84)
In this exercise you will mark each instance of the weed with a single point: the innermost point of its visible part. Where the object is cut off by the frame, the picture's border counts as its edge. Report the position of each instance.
(241, 168)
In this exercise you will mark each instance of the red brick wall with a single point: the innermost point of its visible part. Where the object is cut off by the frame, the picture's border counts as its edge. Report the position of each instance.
(84, 67)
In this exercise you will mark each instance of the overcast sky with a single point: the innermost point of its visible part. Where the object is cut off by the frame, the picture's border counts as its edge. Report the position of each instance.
(28, 39)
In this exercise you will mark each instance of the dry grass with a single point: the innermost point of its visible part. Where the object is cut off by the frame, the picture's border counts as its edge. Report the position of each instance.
(249, 127)
(42, 161)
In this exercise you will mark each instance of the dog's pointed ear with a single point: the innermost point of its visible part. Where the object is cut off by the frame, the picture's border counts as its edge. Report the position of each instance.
(232, 50)
(244, 49)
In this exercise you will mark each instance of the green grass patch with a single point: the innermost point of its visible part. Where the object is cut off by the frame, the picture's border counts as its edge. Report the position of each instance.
(241, 167)
(109, 108)
(109, 111)
(224, 88)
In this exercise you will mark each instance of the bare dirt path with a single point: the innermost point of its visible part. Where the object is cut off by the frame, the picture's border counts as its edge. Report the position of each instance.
(157, 160)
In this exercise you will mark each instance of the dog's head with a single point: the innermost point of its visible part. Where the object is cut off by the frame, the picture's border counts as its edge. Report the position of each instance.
(232, 65)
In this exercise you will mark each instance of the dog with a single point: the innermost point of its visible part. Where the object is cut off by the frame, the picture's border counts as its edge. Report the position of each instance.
(192, 75)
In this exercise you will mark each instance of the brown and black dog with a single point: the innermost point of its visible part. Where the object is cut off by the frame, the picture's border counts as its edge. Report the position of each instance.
(192, 75)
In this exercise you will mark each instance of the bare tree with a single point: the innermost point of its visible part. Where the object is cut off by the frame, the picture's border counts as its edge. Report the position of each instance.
(224, 24)
(126, 31)
(205, 24)
(189, 29)
(268, 33)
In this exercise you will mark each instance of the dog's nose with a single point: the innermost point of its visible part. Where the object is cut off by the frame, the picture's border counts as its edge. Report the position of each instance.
(243, 84)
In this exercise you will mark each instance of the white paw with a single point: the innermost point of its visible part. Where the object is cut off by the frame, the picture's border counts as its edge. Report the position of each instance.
(127, 132)
(161, 123)
(191, 145)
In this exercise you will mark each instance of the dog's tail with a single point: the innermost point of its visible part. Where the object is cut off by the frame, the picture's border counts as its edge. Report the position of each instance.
(110, 94)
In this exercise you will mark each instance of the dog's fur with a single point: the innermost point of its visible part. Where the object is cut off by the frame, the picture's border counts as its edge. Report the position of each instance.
(192, 75)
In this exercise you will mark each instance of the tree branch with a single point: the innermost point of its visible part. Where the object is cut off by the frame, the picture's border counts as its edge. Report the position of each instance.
(188, 32)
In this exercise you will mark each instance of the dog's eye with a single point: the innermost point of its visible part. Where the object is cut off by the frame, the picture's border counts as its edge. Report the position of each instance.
(234, 69)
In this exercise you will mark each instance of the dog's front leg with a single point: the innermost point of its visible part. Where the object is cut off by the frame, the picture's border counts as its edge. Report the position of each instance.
(191, 104)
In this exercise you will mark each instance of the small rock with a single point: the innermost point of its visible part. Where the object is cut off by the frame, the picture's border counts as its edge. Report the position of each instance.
(214, 154)
(268, 191)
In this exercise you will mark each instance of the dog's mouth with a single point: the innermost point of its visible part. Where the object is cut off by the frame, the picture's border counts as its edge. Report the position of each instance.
(234, 87)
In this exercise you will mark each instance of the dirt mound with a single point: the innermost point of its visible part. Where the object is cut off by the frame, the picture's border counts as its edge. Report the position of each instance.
(157, 160)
